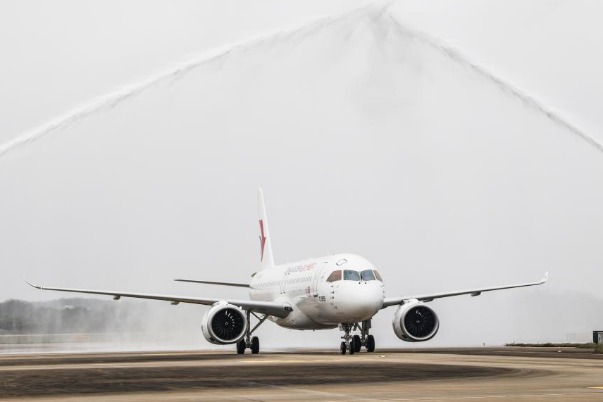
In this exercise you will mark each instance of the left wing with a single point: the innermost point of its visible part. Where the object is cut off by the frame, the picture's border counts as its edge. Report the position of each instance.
(394, 301)
(270, 308)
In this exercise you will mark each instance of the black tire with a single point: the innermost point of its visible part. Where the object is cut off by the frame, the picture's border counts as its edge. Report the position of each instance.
(370, 343)
(241, 346)
(352, 346)
(255, 345)
(343, 348)
(357, 343)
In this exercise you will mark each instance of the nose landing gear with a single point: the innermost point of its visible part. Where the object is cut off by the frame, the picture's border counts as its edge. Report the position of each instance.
(348, 344)
(353, 344)
(357, 342)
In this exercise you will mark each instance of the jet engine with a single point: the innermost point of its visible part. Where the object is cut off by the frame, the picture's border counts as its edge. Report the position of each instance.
(415, 322)
(224, 323)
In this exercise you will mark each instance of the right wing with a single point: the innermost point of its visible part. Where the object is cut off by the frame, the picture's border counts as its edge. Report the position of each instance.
(393, 301)
(276, 309)
(238, 285)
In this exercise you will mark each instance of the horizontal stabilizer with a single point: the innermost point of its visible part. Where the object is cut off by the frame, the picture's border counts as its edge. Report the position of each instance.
(236, 285)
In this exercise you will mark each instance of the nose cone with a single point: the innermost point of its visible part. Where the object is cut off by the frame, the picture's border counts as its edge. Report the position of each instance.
(358, 301)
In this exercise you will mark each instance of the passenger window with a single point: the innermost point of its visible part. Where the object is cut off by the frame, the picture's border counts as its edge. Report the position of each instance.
(349, 275)
(367, 275)
(378, 276)
(334, 277)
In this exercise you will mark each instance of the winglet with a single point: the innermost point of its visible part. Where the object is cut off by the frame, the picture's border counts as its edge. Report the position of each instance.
(546, 277)
(31, 284)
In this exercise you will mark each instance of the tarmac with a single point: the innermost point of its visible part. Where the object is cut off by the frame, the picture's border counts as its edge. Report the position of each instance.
(482, 374)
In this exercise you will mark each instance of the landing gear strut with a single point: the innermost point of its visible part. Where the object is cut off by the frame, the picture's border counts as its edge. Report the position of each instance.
(248, 341)
(348, 344)
(353, 344)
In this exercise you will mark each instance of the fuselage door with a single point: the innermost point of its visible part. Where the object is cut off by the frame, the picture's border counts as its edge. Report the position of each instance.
(319, 276)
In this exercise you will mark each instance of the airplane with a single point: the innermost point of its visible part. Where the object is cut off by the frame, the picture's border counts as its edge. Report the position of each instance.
(342, 290)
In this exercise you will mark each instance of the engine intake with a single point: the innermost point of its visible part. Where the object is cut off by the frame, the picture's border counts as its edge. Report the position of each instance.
(223, 324)
(415, 322)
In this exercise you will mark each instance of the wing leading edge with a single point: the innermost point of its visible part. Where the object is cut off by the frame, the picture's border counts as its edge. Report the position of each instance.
(394, 301)
(270, 308)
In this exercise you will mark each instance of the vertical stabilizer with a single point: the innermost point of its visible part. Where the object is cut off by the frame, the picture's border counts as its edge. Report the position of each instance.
(266, 258)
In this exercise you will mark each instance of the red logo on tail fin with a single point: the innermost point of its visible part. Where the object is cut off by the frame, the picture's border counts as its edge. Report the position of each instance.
(262, 239)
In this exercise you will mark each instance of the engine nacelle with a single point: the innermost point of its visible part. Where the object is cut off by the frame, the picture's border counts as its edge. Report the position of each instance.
(224, 323)
(415, 322)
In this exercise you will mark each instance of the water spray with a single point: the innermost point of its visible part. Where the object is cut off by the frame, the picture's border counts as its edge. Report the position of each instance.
(528, 100)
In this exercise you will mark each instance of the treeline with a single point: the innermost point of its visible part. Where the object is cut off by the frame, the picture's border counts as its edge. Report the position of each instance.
(72, 315)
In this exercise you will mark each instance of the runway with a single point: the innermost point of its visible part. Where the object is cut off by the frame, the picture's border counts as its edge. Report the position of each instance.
(482, 374)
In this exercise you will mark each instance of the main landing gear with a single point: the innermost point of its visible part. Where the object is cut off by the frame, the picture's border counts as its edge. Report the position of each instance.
(352, 344)
(248, 341)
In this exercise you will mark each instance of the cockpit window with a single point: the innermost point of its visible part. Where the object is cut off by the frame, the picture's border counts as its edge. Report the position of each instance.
(367, 275)
(335, 276)
(349, 275)
(377, 275)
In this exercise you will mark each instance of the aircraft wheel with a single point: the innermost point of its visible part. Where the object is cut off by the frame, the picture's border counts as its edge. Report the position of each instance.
(255, 345)
(352, 346)
(370, 343)
(357, 343)
(241, 346)
(343, 348)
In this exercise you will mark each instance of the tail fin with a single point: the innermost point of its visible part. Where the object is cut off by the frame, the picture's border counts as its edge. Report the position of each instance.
(266, 258)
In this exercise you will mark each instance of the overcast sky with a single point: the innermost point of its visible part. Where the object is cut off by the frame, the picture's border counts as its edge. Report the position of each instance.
(444, 142)
(56, 55)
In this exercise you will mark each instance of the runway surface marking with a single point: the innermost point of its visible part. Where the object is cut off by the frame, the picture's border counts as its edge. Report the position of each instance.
(321, 394)
(293, 361)
(478, 397)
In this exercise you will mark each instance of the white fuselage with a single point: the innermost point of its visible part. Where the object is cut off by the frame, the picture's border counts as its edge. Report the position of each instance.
(323, 292)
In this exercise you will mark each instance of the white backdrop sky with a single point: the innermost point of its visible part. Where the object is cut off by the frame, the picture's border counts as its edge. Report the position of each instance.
(366, 136)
